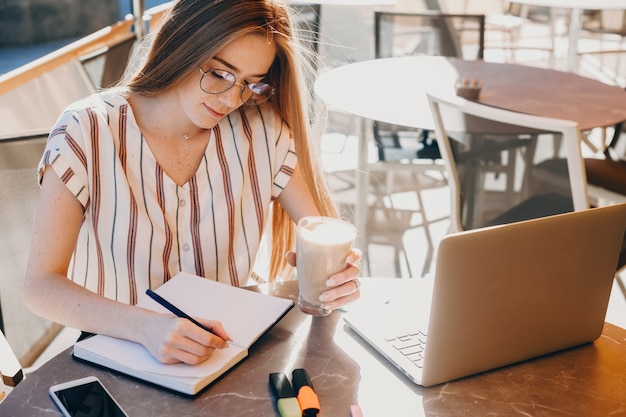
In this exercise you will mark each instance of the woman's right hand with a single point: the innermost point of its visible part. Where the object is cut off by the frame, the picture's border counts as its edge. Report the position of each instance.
(173, 339)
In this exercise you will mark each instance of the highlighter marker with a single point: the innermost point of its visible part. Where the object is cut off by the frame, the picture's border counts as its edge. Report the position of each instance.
(286, 400)
(355, 411)
(309, 402)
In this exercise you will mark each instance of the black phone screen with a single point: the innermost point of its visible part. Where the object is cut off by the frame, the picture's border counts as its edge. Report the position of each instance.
(90, 399)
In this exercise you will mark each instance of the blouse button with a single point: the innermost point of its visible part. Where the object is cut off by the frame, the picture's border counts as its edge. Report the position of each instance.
(186, 247)
(182, 203)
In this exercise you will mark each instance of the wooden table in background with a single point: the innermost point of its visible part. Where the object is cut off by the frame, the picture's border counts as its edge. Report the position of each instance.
(393, 90)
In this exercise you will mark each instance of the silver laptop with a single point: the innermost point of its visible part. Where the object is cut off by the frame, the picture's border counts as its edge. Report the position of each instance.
(500, 295)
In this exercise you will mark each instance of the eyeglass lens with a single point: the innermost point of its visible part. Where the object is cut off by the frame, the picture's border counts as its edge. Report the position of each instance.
(214, 81)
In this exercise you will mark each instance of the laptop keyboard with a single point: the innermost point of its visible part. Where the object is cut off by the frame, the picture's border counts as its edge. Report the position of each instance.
(411, 345)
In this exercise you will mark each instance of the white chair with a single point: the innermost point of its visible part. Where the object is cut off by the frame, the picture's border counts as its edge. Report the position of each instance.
(508, 19)
(604, 42)
(10, 367)
(606, 177)
(31, 99)
(606, 171)
(474, 137)
(399, 34)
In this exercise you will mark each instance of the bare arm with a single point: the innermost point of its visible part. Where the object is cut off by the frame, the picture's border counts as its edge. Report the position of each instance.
(296, 198)
(49, 293)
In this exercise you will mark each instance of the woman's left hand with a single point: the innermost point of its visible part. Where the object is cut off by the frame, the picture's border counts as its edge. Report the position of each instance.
(344, 287)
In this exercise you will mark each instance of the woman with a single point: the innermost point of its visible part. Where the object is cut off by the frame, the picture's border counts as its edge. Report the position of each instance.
(179, 169)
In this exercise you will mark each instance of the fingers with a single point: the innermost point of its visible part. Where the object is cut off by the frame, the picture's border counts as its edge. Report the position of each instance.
(346, 287)
(345, 284)
(218, 330)
(352, 271)
(181, 349)
(184, 341)
(342, 295)
(354, 257)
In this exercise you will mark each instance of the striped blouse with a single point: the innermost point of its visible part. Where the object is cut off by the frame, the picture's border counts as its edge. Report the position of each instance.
(140, 228)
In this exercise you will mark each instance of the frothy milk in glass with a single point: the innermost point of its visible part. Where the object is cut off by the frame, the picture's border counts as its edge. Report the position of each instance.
(322, 245)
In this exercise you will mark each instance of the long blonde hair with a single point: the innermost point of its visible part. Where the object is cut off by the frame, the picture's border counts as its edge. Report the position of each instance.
(193, 31)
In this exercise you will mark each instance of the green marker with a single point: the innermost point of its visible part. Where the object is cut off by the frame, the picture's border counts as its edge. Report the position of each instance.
(286, 401)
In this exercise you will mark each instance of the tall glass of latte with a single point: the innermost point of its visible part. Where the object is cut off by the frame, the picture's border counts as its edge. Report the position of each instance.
(322, 245)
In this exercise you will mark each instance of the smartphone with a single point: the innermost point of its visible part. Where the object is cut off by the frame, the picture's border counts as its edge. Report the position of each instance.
(85, 397)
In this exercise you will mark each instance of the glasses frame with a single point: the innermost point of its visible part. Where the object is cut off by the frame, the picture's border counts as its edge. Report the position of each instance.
(249, 86)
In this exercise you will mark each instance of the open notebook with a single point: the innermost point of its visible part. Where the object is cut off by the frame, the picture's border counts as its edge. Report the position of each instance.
(246, 316)
(500, 295)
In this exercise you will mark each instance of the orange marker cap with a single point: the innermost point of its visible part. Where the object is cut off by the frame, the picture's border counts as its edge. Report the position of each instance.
(308, 399)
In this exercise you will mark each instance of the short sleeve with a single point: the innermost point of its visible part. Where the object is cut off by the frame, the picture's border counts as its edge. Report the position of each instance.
(65, 153)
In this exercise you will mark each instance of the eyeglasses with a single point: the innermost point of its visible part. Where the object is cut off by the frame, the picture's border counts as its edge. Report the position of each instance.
(216, 81)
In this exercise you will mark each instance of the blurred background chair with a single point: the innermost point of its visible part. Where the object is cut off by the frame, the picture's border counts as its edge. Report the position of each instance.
(606, 171)
(510, 22)
(606, 176)
(28, 334)
(603, 41)
(426, 33)
(31, 99)
(10, 368)
(18, 194)
(493, 161)
(408, 159)
(505, 21)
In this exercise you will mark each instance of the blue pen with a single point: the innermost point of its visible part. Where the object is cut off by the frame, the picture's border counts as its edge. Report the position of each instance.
(178, 312)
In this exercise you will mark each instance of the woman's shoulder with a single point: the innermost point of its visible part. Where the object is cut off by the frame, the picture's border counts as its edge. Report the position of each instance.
(98, 109)
(102, 102)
